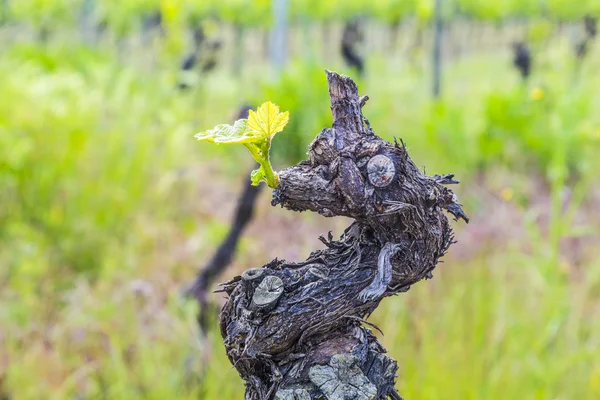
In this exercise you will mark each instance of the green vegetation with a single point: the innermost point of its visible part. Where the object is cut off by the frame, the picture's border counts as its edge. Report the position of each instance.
(108, 206)
(119, 14)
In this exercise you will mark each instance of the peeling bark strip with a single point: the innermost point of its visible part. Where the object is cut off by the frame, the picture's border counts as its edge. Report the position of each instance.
(294, 330)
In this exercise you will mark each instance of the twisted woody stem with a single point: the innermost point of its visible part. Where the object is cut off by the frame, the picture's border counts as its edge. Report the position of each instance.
(295, 330)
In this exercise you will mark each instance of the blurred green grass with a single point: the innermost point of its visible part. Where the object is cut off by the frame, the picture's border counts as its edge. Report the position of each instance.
(108, 205)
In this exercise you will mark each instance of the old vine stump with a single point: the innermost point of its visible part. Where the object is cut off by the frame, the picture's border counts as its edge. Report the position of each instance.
(295, 331)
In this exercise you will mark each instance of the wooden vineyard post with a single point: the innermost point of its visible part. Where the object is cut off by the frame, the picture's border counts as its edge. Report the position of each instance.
(437, 49)
(86, 22)
(238, 55)
(3, 12)
(278, 37)
(296, 330)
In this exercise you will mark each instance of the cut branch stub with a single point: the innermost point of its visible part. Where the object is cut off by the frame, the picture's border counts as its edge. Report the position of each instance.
(253, 274)
(299, 332)
(267, 293)
(252, 277)
(381, 171)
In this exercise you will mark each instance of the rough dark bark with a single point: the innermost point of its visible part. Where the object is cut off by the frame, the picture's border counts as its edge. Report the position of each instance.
(295, 330)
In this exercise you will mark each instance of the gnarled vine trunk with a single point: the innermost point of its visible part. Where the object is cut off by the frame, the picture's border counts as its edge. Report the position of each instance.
(295, 330)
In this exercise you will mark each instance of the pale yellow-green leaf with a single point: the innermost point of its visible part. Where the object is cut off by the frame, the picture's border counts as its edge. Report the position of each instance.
(239, 132)
(268, 120)
(255, 133)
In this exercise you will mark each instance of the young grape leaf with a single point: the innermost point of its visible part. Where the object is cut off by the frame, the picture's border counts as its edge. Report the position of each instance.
(268, 120)
(257, 175)
(256, 134)
(224, 133)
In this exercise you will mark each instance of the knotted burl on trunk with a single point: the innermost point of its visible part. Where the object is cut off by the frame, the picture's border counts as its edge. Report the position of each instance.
(296, 330)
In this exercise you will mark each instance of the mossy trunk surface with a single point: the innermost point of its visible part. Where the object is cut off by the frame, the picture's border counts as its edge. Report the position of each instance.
(295, 330)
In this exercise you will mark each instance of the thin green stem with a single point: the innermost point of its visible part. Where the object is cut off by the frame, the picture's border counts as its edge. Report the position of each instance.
(270, 176)
(261, 156)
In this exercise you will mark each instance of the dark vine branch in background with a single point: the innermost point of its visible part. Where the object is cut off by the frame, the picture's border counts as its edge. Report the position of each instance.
(352, 38)
(522, 59)
(222, 258)
(294, 330)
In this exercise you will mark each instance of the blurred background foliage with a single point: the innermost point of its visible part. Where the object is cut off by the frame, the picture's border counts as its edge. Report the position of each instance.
(108, 206)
